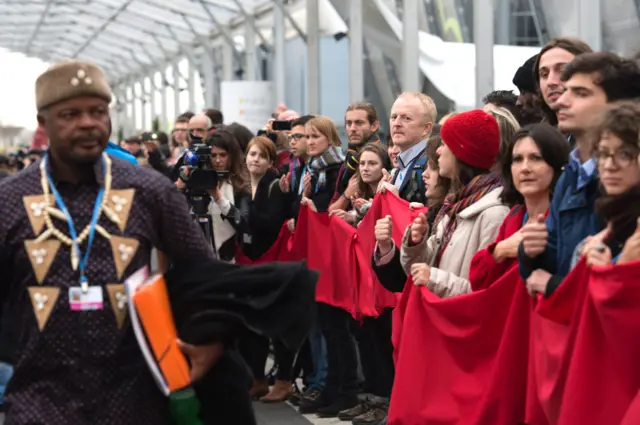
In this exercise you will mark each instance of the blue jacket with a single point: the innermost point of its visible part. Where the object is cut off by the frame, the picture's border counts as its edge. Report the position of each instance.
(571, 219)
(117, 152)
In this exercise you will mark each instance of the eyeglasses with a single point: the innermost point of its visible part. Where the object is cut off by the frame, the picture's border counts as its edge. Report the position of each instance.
(297, 136)
(622, 158)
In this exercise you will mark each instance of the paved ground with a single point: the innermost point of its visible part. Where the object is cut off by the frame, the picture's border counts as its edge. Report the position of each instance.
(278, 414)
(284, 414)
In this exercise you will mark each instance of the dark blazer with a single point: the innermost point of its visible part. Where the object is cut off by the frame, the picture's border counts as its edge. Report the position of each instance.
(412, 188)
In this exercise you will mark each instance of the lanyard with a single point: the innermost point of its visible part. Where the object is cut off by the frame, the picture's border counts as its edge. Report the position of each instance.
(82, 263)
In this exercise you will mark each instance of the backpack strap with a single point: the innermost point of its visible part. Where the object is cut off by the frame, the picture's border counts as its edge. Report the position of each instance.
(271, 185)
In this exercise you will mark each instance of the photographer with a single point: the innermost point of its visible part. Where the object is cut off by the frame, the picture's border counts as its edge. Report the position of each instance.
(231, 197)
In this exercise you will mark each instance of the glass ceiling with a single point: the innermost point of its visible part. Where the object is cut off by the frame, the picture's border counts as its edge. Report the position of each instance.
(122, 36)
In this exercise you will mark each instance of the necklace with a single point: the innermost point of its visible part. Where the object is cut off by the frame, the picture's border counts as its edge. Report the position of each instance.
(76, 240)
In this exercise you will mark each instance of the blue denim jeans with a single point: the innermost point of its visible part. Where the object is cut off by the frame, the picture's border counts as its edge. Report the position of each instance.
(6, 372)
(319, 357)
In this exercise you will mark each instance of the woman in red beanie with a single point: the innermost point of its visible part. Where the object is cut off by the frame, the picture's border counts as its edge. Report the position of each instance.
(472, 213)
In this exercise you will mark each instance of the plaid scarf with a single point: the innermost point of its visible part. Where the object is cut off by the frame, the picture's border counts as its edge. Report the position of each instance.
(472, 192)
(318, 165)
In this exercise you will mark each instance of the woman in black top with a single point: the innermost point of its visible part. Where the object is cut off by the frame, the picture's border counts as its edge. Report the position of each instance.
(258, 226)
(267, 213)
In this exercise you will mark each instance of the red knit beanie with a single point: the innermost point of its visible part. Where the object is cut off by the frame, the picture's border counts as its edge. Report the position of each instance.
(473, 137)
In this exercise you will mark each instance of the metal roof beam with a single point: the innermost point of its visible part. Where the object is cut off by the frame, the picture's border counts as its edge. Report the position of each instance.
(102, 27)
(218, 5)
(146, 17)
(260, 12)
(169, 6)
(226, 35)
(289, 17)
(91, 25)
(89, 19)
(34, 34)
(252, 22)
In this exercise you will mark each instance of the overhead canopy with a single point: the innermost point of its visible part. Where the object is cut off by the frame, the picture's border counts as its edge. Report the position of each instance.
(122, 36)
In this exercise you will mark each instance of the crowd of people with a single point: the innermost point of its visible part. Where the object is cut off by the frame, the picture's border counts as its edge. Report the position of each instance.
(539, 181)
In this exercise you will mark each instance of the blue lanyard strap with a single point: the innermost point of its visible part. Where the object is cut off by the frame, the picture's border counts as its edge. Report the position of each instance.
(83, 260)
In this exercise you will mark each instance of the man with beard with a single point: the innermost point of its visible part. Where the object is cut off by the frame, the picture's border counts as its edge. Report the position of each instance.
(78, 367)
(361, 124)
(75, 225)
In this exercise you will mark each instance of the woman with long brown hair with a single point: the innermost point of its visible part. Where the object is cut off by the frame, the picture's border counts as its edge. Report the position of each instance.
(232, 193)
(372, 159)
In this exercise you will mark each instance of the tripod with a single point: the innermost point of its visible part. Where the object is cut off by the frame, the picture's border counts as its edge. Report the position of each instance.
(199, 202)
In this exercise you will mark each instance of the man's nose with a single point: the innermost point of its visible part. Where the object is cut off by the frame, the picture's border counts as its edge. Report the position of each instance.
(563, 100)
(554, 78)
(86, 121)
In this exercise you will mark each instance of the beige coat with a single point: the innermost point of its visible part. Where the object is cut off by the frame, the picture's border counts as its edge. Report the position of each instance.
(477, 227)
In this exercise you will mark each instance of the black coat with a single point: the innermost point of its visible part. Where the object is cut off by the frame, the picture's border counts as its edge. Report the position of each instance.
(213, 301)
(391, 275)
(260, 225)
(322, 196)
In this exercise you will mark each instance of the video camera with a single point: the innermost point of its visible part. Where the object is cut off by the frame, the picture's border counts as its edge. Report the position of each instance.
(200, 176)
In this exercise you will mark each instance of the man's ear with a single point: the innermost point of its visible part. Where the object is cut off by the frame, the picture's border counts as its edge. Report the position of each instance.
(41, 117)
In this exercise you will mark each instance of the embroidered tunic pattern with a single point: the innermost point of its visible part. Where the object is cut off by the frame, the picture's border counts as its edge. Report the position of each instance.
(82, 369)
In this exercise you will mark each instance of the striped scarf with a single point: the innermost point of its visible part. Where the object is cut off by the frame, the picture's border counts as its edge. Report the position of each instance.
(318, 165)
(472, 192)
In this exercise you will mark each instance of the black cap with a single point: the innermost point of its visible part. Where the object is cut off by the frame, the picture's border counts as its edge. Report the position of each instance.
(523, 78)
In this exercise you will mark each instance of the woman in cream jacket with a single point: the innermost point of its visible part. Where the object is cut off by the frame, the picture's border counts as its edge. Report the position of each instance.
(472, 214)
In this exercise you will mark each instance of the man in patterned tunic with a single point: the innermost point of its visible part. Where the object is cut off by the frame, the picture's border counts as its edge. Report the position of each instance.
(72, 228)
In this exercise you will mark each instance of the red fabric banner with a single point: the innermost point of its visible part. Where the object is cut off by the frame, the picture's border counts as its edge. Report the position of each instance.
(279, 251)
(373, 297)
(462, 360)
(342, 254)
(553, 329)
(603, 376)
(494, 356)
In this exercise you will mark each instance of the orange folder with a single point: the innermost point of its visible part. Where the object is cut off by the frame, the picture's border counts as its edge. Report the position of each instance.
(152, 305)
